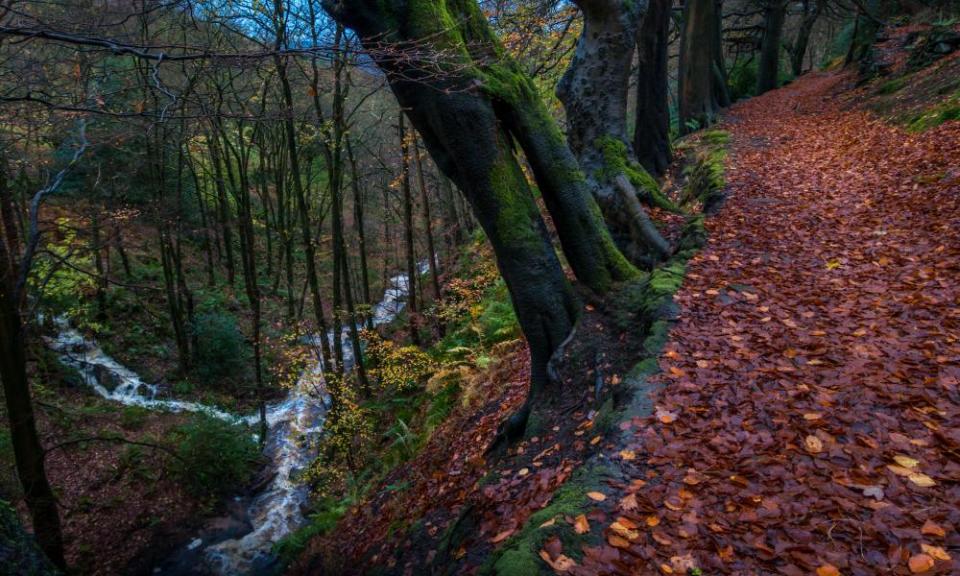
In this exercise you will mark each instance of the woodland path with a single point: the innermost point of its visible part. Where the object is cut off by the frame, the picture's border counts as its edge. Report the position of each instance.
(810, 421)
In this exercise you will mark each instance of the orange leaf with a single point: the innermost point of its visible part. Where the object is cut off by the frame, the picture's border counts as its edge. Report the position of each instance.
(581, 525)
(920, 563)
(618, 541)
(935, 551)
(828, 570)
(597, 496)
(502, 536)
(561, 564)
(931, 528)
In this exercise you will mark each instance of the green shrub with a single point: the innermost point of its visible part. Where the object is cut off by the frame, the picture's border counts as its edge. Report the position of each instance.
(182, 387)
(214, 456)
(499, 321)
(742, 79)
(329, 512)
(221, 350)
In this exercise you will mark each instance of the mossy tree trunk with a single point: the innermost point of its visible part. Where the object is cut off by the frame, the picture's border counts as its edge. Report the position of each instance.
(594, 91)
(702, 87)
(768, 71)
(651, 137)
(470, 103)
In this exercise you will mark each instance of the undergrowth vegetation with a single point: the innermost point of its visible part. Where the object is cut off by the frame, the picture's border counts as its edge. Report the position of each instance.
(413, 391)
(213, 456)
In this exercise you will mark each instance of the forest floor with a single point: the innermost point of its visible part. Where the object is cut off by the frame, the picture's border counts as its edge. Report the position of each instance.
(811, 417)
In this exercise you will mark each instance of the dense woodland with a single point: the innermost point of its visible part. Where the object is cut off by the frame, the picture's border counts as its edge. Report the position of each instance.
(439, 286)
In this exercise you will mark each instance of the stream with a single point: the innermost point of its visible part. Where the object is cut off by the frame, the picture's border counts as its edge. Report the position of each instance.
(242, 542)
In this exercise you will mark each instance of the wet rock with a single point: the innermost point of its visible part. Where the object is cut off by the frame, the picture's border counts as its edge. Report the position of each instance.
(106, 378)
(262, 479)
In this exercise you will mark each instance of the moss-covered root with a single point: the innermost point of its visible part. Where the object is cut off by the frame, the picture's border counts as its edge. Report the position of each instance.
(706, 181)
(616, 162)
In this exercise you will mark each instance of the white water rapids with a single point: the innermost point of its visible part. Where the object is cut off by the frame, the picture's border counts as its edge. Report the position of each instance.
(294, 424)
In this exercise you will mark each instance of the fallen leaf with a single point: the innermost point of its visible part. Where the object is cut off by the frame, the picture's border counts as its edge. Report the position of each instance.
(502, 536)
(828, 570)
(561, 564)
(936, 552)
(624, 531)
(665, 416)
(921, 480)
(629, 502)
(931, 528)
(899, 470)
(549, 522)
(618, 541)
(920, 563)
(581, 525)
(813, 444)
(906, 461)
(596, 496)
(628, 454)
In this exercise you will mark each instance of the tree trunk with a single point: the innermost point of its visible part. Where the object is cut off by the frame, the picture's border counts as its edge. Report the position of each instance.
(224, 210)
(468, 117)
(27, 451)
(799, 48)
(768, 71)
(358, 216)
(412, 272)
(598, 120)
(698, 76)
(651, 138)
(427, 223)
(308, 247)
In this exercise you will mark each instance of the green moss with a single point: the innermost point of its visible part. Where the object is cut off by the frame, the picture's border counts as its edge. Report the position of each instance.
(616, 162)
(945, 111)
(617, 264)
(706, 178)
(520, 555)
(892, 86)
(626, 301)
(517, 211)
